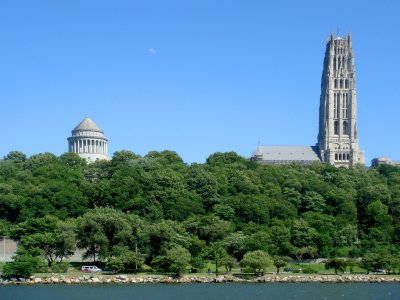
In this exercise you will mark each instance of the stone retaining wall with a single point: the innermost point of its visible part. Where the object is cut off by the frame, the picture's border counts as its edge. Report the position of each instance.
(125, 279)
(8, 249)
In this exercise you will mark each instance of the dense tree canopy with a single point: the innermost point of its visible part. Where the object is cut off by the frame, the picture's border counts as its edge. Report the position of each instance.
(151, 209)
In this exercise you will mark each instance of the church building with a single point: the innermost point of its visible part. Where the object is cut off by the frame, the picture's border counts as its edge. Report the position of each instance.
(88, 141)
(338, 136)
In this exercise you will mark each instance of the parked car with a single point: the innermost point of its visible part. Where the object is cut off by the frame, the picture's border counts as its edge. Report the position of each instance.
(379, 271)
(90, 269)
(288, 270)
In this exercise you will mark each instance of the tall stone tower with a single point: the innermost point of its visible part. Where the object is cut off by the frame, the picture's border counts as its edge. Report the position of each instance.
(338, 137)
(88, 141)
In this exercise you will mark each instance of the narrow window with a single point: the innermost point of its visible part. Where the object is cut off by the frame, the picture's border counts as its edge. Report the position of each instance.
(335, 83)
(334, 105)
(344, 127)
(346, 83)
(336, 127)
(341, 83)
(348, 156)
(336, 156)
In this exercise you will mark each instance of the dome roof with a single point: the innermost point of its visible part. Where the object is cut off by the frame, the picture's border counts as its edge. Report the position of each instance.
(88, 125)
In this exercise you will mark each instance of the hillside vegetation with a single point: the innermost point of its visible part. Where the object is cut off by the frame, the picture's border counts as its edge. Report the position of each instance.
(160, 212)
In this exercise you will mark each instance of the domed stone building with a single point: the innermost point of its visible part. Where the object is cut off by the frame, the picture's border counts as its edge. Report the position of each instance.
(89, 141)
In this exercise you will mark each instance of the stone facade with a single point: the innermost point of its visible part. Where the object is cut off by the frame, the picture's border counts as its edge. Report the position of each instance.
(88, 141)
(338, 137)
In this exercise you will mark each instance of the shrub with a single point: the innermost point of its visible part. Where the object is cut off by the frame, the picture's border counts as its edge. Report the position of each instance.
(61, 267)
(309, 270)
(23, 266)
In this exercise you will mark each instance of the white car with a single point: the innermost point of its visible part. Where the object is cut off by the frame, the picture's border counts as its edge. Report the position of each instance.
(90, 269)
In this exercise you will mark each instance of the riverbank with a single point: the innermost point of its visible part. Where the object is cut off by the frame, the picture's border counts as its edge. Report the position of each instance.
(127, 279)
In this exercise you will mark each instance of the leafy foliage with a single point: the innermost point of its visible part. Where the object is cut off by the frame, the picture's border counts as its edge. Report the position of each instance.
(137, 210)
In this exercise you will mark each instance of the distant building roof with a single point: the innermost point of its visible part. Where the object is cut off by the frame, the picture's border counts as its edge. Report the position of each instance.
(378, 161)
(88, 125)
(286, 154)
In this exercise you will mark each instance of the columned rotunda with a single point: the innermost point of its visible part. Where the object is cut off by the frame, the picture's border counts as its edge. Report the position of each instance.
(88, 141)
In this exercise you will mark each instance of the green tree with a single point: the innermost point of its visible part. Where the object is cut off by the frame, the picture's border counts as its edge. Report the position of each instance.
(209, 228)
(54, 246)
(235, 244)
(72, 159)
(370, 261)
(257, 260)
(92, 239)
(228, 262)
(125, 260)
(202, 182)
(15, 156)
(23, 266)
(124, 157)
(338, 264)
(226, 158)
(216, 253)
(351, 263)
(279, 240)
(302, 235)
(279, 262)
(175, 260)
(198, 263)
(165, 235)
(312, 201)
(100, 229)
(65, 239)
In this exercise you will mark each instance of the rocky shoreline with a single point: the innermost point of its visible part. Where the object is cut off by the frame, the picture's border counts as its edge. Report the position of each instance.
(125, 279)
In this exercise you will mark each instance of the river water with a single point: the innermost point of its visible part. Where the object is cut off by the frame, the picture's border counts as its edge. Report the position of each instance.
(228, 291)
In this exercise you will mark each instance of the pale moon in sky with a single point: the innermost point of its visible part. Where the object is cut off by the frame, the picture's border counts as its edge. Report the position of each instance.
(151, 51)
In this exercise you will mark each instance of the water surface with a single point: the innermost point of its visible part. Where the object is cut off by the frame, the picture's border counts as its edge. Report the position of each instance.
(228, 291)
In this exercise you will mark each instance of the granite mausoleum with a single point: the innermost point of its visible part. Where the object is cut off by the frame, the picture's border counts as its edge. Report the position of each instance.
(88, 141)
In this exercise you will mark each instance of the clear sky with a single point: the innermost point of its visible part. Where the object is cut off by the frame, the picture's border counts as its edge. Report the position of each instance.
(193, 76)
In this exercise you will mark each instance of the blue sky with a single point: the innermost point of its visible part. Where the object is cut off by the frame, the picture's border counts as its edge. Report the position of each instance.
(196, 77)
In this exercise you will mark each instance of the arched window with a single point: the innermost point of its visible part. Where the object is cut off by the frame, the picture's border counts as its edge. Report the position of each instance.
(336, 156)
(336, 127)
(335, 83)
(344, 127)
(348, 156)
(346, 84)
(341, 83)
(340, 156)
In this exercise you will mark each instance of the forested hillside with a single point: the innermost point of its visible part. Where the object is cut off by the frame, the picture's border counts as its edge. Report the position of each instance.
(154, 209)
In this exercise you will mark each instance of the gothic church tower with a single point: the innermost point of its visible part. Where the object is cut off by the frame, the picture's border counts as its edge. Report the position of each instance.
(338, 138)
